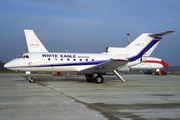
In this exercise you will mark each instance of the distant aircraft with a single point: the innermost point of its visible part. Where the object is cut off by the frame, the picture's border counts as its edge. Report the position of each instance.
(91, 65)
(151, 63)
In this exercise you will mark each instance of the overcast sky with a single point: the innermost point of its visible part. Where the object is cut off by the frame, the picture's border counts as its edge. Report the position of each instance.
(89, 25)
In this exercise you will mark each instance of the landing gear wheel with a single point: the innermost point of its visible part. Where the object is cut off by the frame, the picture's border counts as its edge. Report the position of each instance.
(89, 78)
(99, 79)
(32, 80)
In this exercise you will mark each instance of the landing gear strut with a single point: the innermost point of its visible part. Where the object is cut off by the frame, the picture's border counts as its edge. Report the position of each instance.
(31, 80)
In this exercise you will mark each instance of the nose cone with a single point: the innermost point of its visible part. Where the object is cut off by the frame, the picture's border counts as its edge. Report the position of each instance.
(165, 64)
(8, 65)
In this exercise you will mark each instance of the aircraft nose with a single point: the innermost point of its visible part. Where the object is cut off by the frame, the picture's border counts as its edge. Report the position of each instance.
(165, 64)
(8, 65)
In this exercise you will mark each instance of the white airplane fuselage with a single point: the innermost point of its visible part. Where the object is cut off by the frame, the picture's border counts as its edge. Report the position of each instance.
(62, 62)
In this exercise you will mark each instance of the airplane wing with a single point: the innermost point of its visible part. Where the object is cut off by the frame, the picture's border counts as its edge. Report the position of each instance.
(160, 34)
(108, 66)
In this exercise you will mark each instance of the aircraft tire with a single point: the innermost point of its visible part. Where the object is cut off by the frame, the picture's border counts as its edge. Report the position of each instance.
(99, 79)
(32, 80)
(89, 78)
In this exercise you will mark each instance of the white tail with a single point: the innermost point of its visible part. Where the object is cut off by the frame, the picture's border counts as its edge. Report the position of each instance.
(141, 46)
(33, 43)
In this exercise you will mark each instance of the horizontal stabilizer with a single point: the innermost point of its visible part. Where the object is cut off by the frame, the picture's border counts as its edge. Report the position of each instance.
(160, 34)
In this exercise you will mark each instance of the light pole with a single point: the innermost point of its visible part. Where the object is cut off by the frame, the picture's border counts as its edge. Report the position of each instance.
(128, 37)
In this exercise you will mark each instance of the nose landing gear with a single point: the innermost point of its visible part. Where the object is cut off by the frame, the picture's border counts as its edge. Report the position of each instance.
(31, 80)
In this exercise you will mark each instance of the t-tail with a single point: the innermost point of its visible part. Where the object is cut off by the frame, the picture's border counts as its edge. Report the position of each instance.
(141, 47)
(33, 42)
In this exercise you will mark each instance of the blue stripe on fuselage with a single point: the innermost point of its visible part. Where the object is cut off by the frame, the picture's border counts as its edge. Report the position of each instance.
(64, 64)
(151, 44)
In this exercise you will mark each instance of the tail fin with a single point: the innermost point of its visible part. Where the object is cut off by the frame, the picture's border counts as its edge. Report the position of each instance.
(33, 43)
(142, 46)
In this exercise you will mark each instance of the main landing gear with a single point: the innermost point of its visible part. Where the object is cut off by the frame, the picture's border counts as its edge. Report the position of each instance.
(97, 78)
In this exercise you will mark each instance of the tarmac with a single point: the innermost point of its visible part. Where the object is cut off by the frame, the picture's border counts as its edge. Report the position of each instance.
(141, 97)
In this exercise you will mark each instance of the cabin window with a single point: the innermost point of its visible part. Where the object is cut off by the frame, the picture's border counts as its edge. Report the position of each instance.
(27, 56)
(74, 59)
(49, 59)
(92, 59)
(67, 59)
(80, 59)
(61, 59)
(86, 59)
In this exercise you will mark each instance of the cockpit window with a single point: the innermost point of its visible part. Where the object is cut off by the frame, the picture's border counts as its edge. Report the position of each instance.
(20, 56)
(23, 56)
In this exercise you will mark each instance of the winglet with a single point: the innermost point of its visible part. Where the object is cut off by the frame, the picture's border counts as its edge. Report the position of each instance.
(33, 42)
(160, 34)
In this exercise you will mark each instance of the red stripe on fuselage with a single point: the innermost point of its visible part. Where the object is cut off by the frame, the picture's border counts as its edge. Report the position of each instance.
(154, 61)
(120, 60)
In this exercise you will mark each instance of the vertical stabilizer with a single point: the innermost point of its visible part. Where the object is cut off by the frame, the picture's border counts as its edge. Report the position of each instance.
(145, 44)
(139, 43)
(140, 48)
(33, 42)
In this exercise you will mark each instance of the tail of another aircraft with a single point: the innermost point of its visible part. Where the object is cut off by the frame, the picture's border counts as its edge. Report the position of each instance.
(33, 43)
(142, 46)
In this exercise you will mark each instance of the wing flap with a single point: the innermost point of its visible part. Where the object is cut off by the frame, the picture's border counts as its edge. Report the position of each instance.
(108, 66)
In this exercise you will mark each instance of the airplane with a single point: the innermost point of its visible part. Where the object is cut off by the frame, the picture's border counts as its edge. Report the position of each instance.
(93, 66)
(151, 63)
